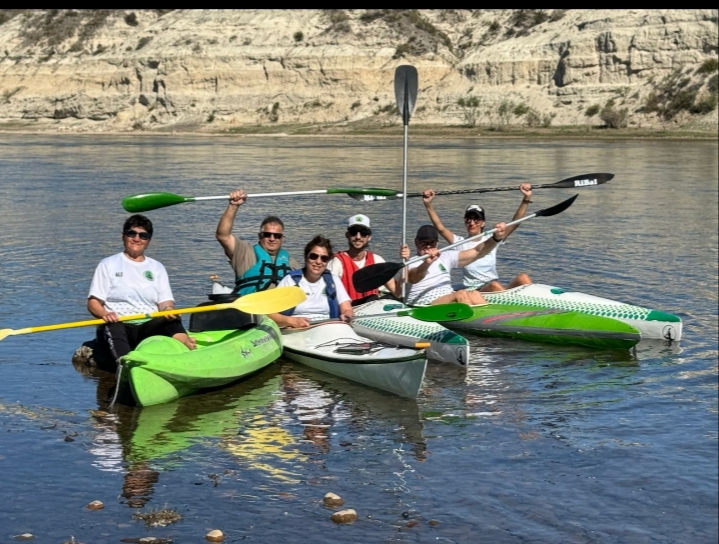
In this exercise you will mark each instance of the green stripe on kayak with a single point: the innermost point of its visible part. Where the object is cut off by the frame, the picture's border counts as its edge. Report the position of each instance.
(655, 315)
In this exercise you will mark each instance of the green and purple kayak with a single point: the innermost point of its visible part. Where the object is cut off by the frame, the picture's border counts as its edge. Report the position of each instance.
(551, 325)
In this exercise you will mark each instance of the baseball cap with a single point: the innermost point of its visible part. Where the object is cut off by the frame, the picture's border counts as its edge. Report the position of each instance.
(474, 209)
(427, 233)
(358, 219)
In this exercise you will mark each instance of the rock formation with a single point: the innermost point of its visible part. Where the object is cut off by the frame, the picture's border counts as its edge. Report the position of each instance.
(216, 70)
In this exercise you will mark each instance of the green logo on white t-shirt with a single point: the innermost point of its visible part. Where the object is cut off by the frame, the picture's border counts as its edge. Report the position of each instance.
(442, 268)
(149, 276)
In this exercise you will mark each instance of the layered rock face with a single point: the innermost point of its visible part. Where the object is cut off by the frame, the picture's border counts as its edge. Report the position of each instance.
(116, 70)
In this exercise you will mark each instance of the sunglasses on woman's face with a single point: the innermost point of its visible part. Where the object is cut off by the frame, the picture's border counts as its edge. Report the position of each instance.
(316, 256)
(130, 233)
(277, 235)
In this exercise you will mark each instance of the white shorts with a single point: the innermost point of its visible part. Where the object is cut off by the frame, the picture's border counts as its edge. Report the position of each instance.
(427, 297)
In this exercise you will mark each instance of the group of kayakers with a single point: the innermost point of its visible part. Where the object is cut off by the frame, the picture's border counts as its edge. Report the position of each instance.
(131, 283)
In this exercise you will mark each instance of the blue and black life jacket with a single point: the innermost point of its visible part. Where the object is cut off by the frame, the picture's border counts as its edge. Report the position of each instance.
(264, 273)
(330, 289)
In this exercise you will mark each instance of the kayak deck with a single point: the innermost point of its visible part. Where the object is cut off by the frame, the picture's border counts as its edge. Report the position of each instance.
(446, 346)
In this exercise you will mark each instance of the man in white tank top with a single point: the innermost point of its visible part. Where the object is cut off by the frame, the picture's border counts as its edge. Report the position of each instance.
(481, 274)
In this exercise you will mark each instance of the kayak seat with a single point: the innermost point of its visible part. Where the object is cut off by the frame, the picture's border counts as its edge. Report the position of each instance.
(221, 320)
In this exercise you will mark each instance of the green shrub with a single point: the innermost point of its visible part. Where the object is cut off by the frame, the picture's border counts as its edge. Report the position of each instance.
(614, 118)
(470, 109)
(520, 109)
(143, 42)
(592, 110)
(709, 66)
(298, 36)
(131, 19)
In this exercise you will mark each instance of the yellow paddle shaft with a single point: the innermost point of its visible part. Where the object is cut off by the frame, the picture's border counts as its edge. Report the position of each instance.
(91, 322)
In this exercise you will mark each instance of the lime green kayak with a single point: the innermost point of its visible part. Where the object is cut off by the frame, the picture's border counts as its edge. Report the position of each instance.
(548, 325)
(161, 369)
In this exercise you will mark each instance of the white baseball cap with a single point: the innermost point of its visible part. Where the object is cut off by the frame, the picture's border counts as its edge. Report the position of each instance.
(358, 219)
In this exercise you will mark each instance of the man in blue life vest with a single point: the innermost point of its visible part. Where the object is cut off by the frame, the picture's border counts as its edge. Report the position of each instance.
(260, 266)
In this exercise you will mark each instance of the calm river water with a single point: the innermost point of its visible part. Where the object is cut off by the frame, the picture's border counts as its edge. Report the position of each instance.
(535, 443)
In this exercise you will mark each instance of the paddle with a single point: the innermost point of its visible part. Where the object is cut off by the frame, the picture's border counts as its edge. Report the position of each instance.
(372, 276)
(264, 302)
(582, 180)
(441, 312)
(152, 201)
(406, 83)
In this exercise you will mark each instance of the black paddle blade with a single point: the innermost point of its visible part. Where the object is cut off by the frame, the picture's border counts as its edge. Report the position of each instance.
(374, 276)
(406, 83)
(582, 180)
(557, 208)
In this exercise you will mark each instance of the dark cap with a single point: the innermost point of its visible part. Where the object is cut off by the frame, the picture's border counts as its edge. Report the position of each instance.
(427, 233)
(474, 210)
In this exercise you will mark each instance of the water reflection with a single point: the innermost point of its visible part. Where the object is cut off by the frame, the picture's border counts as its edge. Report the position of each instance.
(266, 424)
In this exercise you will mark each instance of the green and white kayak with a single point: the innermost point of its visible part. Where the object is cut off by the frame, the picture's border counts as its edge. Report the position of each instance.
(446, 346)
(652, 324)
(161, 369)
(548, 325)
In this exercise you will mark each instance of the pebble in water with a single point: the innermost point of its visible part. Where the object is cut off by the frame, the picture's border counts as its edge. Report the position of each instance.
(344, 516)
(215, 536)
(331, 499)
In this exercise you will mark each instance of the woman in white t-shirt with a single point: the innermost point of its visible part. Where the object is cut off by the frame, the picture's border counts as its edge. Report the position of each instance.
(326, 296)
(480, 274)
(130, 283)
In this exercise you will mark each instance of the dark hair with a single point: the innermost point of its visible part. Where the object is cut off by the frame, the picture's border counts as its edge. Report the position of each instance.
(138, 220)
(272, 219)
(319, 241)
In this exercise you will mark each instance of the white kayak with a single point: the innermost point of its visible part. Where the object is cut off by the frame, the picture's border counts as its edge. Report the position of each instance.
(337, 349)
(652, 324)
(446, 346)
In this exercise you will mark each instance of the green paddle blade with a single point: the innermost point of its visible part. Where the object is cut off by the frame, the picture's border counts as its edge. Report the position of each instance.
(376, 191)
(152, 201)
(441, 312)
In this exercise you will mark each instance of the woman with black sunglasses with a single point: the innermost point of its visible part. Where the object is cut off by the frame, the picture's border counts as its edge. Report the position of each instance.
(326, 296)
(130, 283)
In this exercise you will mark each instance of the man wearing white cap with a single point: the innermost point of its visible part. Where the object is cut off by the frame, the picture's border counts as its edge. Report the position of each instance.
(482, 274)
(346, 263)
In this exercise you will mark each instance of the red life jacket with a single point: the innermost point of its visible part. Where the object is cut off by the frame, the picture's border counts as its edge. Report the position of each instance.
(349, 267)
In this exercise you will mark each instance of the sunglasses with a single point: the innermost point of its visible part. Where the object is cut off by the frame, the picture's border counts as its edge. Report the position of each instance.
(316, 256)
(362, 231)
(277, 235)
(473, 219)
(132, 233)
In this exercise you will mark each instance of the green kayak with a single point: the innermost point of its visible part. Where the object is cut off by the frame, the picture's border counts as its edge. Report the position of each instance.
(548, 325)
(162, 369)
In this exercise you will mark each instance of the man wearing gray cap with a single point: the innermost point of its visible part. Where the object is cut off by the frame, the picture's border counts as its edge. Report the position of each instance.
(430, 279)
(346, 263)
(481, 274)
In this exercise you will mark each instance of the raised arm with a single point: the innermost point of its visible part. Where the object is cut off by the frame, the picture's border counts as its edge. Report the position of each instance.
(224, 227)
(427, 198)
(483, 248)
(418, 273)
(526, 189)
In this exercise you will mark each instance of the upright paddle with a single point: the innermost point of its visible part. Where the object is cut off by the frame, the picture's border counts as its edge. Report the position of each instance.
(406, 83)
(582, 180)
(264, 302)
(372, 276)
(152, 201)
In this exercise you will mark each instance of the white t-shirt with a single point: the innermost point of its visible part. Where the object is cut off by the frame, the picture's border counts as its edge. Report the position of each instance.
(316, 305)
(129, 287)
(335, 265)
(481, 271)
(438, 274)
